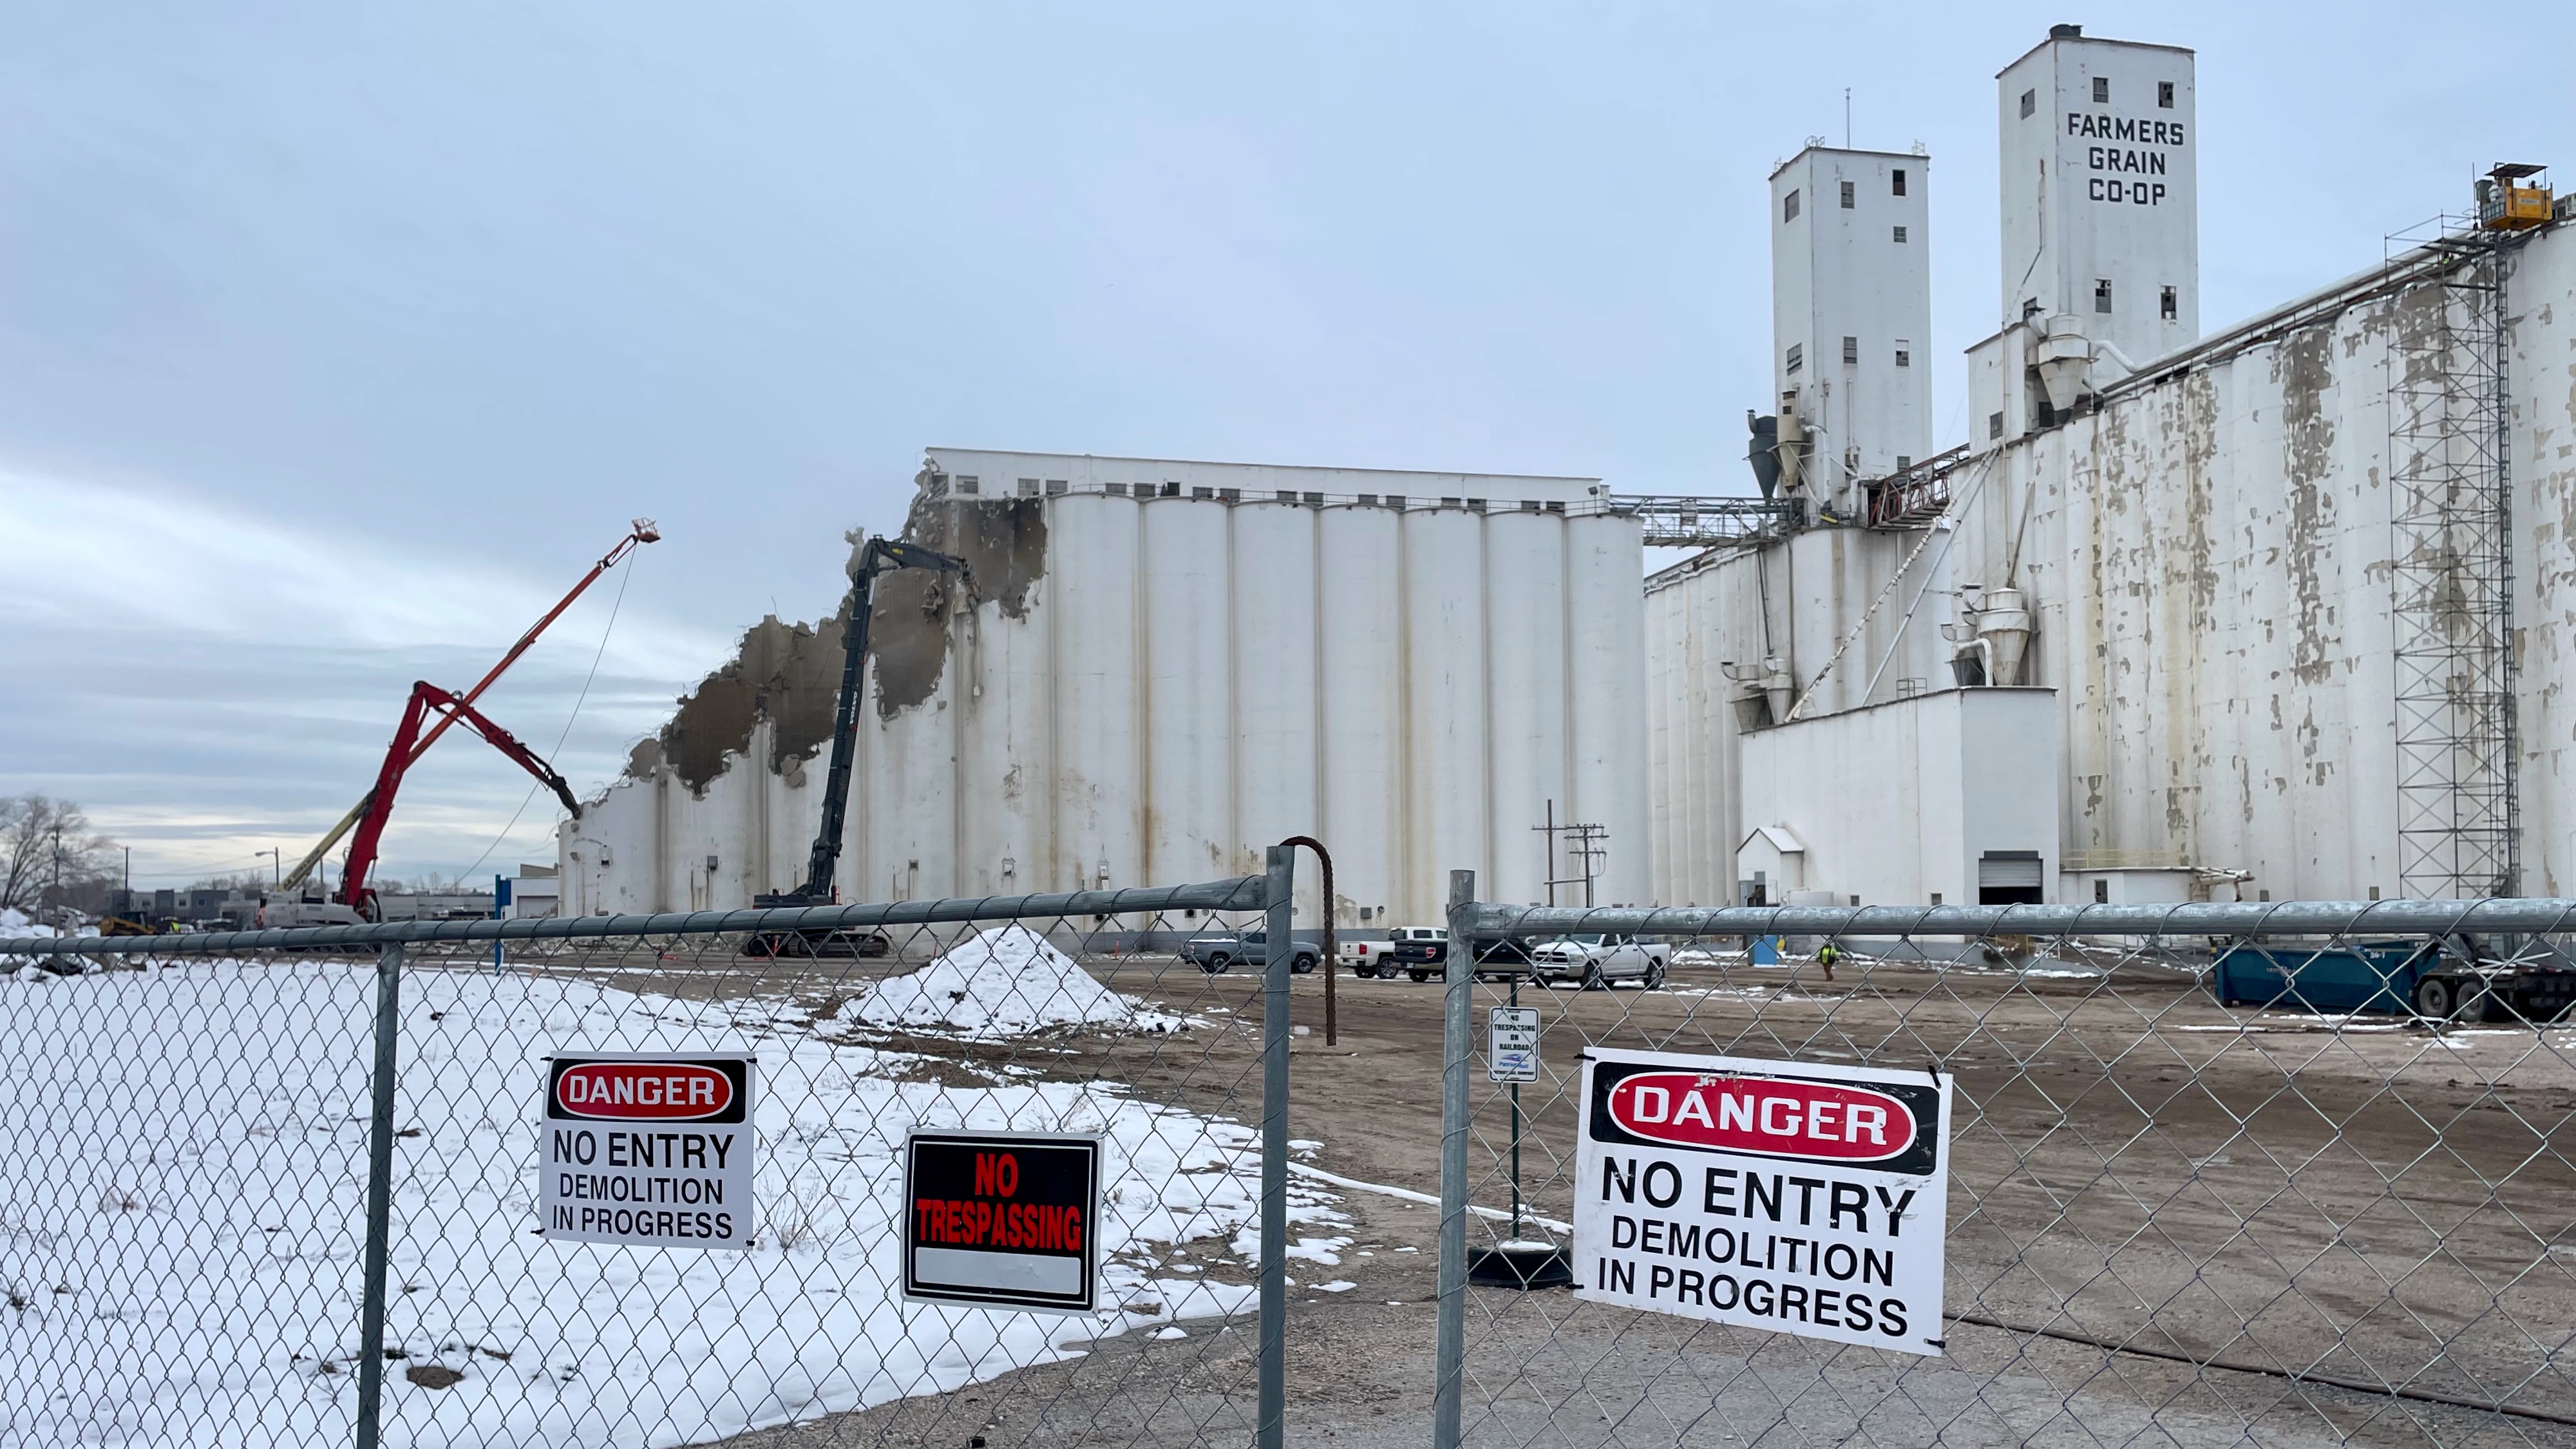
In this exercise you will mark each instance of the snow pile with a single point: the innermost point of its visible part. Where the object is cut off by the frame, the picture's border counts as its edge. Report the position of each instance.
(1005, 981)
(182, 1170)
(15, 926)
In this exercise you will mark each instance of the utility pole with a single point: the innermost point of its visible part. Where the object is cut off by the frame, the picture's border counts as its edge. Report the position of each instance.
(1587, 848)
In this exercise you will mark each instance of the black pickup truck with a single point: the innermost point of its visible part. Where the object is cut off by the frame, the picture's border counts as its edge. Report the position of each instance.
(1422, 953)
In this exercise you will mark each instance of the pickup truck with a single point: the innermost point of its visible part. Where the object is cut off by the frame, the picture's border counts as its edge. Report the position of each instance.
(1420, 952)
(1597, 961)
(1364, 958)
(1216, 951)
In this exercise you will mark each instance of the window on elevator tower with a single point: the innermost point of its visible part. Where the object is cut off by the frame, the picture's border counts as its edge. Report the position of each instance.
(1850, 196)
(2102, 294)
(2172, 306)
(2101, 90)
(1851, 351)
(2164, 95)
(1898, 179)
(1789, 207)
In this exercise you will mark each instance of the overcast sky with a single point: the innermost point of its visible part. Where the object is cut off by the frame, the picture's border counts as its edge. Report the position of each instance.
(335, 341)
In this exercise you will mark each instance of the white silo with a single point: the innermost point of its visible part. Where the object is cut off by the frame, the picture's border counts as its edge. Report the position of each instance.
(1275, 750)
(1362, 703)
(911, 833)
(1189, 719)
(1006, 736)
(1525, 610)
(1447, 823)
(1604, 569)
(1091, 590)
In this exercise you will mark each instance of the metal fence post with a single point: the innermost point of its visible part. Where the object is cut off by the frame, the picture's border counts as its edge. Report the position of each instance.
(380, 1175)
(1280, 895)
(1450, 1364)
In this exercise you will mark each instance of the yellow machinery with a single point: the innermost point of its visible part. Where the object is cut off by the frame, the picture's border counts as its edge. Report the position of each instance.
(2509, 200)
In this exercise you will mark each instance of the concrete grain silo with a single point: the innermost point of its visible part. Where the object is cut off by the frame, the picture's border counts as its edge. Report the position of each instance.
(1155, 670)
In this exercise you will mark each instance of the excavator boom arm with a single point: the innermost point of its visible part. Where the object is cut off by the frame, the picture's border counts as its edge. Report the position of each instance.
(425, 698)
(876, 557)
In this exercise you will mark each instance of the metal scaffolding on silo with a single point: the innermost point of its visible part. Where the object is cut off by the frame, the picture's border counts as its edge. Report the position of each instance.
(2451, 576)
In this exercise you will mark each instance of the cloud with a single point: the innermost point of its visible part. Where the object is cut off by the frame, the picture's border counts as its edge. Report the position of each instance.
(209, 683)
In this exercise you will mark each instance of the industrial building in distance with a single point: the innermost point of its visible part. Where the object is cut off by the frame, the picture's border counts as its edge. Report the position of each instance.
(2284, 608)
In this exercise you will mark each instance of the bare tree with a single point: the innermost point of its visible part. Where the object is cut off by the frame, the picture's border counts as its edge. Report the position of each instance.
(44, 844)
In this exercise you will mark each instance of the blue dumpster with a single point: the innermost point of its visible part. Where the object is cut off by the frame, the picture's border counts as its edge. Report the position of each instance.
(2372, 976)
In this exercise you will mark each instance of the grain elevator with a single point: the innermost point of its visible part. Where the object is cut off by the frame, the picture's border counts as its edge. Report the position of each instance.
(1156, 668)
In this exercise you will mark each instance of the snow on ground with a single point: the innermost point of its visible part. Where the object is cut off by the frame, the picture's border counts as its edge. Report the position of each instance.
(1000, 982)
(182, 1160)
(17, 925)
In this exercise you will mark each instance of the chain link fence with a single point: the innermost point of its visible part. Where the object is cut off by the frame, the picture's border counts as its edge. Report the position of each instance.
(2265, 1174)
(2217, 1174)
(223, 1220)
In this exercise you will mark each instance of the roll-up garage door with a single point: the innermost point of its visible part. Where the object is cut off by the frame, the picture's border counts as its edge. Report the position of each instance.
(2008, 878)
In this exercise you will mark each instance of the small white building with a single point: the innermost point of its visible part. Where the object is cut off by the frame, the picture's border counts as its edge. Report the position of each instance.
(1949, 796)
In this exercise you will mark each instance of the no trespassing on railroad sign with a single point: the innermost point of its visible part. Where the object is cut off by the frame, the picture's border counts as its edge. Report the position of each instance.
(1777, 1195)
(650, 1150)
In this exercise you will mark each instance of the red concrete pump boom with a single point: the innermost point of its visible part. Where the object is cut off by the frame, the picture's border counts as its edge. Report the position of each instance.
(641, 531)
(407, 744)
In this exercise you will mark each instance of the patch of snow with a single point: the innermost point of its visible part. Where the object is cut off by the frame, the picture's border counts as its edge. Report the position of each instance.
(1000, 982)
(1171, 1333)
(1338, 1285)
(1327, 1251)
(231, 1158)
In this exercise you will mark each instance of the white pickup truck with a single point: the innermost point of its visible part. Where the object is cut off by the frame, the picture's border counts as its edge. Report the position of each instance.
(1598, 961)
(1383, 957)
(1363, 955)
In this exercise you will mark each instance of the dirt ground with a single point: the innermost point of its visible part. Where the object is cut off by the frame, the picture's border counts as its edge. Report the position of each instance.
(2366, 1201)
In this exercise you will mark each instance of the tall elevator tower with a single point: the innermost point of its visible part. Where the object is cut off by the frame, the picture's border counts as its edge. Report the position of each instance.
(1851, 312)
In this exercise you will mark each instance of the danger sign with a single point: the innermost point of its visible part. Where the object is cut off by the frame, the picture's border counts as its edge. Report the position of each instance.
(1777, 1195)
(1002, 1221)
(650, 1150)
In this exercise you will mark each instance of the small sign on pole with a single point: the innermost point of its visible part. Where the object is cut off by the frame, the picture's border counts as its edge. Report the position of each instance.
(1511, 1044)
(1798, 1198)
(1002, 1220)
(649, 1150)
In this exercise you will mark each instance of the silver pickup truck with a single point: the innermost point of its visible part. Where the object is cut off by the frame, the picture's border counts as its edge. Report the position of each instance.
(1216, 951)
